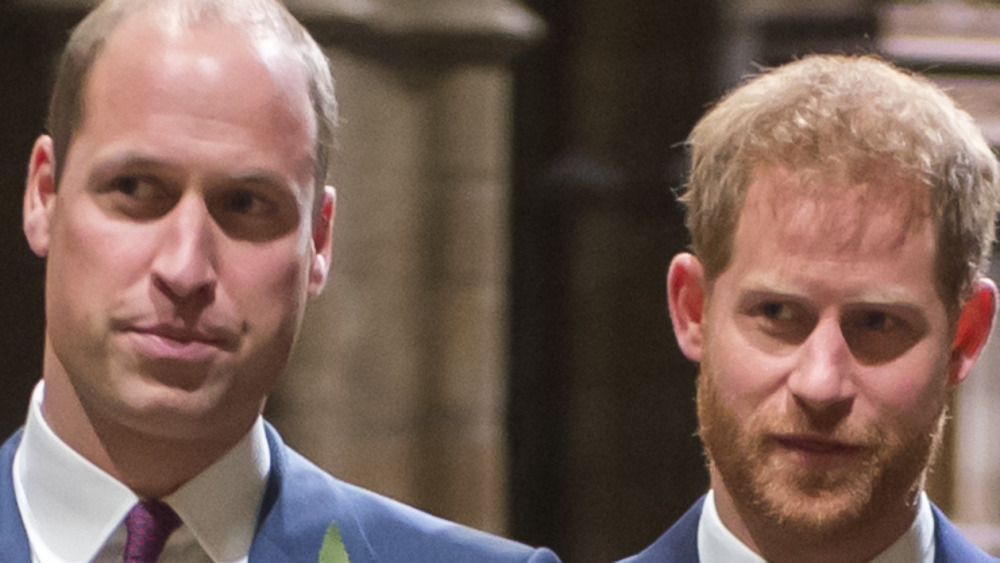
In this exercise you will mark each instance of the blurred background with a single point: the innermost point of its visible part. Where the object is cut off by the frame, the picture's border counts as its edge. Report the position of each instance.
(494, 345)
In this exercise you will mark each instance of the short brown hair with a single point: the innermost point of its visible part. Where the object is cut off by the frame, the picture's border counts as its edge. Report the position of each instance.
(258, 18)
(846, 120)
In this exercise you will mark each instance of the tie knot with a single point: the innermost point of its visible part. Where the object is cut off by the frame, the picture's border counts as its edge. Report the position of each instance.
(149, 524)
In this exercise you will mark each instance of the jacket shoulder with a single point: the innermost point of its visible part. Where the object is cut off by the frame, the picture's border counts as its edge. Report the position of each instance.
(398, 532)
(950, 546)
(680, 543)
(305, 499)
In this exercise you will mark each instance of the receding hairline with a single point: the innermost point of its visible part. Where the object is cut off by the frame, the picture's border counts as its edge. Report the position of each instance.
(263, 22)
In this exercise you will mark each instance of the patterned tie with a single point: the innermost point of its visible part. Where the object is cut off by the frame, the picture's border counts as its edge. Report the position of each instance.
(149, 524)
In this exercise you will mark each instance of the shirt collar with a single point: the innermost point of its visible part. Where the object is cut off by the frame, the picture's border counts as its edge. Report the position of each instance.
(917, 544)
(717, 544)
(220, 505)
(70, 507)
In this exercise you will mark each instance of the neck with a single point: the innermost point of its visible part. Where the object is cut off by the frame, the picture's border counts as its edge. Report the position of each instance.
(152, 466)
(861, 540)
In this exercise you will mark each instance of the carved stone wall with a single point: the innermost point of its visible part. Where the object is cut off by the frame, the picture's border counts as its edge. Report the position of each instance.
(398, 383)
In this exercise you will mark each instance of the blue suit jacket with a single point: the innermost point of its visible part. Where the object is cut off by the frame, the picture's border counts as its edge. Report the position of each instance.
(300, 503)
(680, 543)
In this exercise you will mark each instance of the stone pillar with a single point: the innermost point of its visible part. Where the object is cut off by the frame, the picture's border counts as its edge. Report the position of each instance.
(399, 377)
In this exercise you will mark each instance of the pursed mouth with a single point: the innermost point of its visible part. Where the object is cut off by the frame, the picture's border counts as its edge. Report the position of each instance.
(173, 338)
(817, 445)
(209, 336)
(180, 337)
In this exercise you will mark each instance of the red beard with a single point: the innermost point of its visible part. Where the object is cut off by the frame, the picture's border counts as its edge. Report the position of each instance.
(770, 487)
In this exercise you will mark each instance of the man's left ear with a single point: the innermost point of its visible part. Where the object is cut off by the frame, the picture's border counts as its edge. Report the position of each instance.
(975, 323)
(322, 238)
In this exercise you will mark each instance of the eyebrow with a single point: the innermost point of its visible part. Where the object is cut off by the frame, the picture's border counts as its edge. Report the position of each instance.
(257, 177)
(763, 286)
(109, 166)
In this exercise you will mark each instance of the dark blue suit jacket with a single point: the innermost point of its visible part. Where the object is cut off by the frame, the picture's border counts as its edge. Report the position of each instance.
(300, 503)
(680, 543)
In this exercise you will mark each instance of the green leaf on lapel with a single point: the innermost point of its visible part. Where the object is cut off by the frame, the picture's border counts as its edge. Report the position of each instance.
(333, 550)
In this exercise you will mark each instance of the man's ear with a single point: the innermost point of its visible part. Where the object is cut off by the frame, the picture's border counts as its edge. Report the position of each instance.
(686, 298)
(40, 196)
(322, 238)
(975, 323)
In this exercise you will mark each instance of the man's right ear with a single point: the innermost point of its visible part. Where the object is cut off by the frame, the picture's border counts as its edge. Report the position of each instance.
(686, 299)
(40, 195)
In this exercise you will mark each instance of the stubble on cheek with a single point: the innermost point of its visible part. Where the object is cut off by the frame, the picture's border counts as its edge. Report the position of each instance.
(773, 490)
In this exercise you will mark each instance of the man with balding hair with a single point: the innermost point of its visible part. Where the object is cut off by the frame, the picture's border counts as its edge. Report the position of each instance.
(181, 207)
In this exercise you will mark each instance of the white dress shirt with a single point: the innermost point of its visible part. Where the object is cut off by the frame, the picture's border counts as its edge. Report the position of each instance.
(716, 544)
(74, 512)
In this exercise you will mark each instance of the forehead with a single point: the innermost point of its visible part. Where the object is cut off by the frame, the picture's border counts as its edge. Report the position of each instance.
(210, 67)
(866, 219)
(832, 242)
(200, 99)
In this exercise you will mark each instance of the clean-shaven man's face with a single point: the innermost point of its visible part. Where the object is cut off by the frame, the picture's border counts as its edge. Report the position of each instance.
(180, 245)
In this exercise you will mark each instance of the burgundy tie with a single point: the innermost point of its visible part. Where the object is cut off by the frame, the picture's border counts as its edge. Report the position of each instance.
(149, 524)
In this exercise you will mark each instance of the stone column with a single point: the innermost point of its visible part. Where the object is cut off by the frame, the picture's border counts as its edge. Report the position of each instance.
(399, 377)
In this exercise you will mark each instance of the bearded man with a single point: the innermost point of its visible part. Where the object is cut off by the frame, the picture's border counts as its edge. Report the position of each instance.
(841, 211)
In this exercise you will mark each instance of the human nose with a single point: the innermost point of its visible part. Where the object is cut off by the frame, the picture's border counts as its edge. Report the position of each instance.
(823, 376)
(184, 268)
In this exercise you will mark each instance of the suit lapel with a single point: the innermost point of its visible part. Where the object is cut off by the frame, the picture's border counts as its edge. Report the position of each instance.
(682, 537)
(950, 546)
(300, 502)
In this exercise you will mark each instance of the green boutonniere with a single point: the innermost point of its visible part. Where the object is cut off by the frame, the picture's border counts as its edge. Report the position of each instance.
(333, 550)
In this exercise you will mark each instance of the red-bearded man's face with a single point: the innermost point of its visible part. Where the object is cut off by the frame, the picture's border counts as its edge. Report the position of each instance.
(827, 354)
